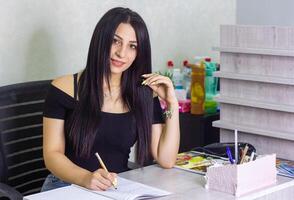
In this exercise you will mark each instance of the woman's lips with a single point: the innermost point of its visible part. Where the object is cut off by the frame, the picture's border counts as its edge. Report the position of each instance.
(117, 63)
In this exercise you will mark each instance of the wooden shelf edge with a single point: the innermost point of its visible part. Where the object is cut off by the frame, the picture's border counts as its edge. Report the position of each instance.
(255, 78)
(255, 104)
(261, 51)
(253, 130)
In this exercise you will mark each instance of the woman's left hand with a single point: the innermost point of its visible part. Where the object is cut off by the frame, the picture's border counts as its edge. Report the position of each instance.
(162, 86)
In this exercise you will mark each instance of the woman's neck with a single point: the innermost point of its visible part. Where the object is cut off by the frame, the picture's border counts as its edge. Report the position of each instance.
(114, 80)
(112, 92)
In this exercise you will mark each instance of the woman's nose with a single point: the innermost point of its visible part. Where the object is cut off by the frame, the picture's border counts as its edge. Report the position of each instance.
(121, 52)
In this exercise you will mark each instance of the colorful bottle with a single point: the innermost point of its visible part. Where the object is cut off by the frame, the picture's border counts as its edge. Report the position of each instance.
(177, 78)
(169, 72)
(197, 88)
(187, 78)
(210, 87)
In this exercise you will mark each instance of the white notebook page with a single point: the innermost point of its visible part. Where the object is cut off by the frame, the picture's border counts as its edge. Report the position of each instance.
(129, 190)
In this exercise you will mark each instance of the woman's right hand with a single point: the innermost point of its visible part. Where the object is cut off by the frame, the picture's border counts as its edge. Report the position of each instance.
(99, 180)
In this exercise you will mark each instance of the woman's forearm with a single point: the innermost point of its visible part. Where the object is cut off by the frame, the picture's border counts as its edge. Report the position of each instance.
(59, 165)
(170, 138)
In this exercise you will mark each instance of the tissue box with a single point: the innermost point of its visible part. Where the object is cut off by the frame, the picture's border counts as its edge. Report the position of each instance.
(243, 178)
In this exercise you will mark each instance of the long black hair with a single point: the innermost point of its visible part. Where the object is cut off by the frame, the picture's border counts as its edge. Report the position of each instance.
(83, 125)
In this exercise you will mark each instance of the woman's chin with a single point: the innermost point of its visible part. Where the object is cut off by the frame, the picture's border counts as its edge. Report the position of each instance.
(117, 70)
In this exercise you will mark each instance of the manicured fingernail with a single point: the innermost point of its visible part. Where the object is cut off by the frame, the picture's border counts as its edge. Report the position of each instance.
(144, 75)
(144, 82)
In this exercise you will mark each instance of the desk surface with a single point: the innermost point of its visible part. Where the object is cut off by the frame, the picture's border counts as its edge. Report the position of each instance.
(187, 185)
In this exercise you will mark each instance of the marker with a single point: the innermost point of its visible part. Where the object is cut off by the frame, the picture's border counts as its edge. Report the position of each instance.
(229, 155)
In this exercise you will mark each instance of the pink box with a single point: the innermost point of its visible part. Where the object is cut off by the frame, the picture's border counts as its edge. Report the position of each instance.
(185, 105)
(243, 178)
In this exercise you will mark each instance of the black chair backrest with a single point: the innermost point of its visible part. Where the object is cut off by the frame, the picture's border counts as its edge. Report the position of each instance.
(21, 109)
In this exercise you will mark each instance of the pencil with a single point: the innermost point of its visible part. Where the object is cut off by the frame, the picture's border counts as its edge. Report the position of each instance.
(114, 183)
(244, 154)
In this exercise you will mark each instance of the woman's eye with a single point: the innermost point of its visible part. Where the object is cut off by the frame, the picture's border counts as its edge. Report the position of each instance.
(116, 41)
(133, 46)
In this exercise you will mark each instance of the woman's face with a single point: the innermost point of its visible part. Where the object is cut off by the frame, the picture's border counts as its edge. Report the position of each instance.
(124, 48)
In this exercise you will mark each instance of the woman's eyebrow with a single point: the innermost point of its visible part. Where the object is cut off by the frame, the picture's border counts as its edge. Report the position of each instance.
(118, 36)
(122, 38)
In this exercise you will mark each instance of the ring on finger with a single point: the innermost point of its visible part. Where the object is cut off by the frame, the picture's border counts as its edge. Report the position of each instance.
(153, 83)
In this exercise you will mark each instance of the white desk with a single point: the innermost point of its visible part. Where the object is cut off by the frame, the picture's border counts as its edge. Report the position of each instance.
(186, 185)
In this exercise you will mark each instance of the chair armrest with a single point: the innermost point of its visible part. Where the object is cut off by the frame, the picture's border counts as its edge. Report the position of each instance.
(11, 193)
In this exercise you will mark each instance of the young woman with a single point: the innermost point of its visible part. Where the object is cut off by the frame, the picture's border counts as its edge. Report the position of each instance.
(108, 107)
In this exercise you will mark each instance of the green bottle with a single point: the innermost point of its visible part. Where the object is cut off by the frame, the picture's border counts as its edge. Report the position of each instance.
(211, 82)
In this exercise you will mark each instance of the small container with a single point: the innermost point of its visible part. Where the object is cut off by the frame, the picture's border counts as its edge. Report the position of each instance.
(242, 178)
(210, 106)
(185, 106)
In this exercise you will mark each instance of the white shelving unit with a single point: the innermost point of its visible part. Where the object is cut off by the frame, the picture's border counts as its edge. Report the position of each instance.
(257, 87)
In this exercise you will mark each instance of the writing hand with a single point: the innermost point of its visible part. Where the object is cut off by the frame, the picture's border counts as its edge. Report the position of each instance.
(100, 180)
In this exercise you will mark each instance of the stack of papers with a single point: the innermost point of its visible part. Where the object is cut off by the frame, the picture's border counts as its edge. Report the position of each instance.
(198, 162)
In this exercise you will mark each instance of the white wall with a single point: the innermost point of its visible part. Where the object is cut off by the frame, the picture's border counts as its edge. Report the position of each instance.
(265, 12)
(42, 39)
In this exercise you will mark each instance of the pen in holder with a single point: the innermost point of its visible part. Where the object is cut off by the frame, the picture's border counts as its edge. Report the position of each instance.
(239, 179)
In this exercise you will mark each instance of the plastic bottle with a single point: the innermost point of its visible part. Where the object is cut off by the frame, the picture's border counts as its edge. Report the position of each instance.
(169, 72)
(177, 78)
(187, 79)
(197, 88)
(210, 87)
(175, 75)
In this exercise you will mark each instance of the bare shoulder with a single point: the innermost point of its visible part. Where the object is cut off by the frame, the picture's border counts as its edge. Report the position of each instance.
(65, 83)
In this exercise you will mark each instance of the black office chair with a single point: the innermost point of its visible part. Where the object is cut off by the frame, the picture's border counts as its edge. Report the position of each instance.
(22, 169)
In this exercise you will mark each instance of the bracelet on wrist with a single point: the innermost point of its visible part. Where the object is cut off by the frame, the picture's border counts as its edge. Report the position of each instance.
(168, 113)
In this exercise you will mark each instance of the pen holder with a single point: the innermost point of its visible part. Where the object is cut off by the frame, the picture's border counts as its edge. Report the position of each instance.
(242, 178)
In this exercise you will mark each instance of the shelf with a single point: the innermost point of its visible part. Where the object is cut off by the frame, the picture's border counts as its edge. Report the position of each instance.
(255, 104)
(257, 60)
(254, 130)
(256, 78)
(271, 52)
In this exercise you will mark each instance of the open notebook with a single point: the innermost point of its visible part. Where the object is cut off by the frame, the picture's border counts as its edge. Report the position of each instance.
(126, 190)
(130, 190)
